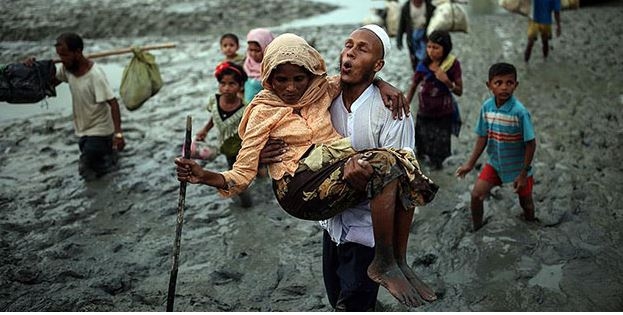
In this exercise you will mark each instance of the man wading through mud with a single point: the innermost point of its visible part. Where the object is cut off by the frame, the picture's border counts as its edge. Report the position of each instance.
(97, 120)
(348, 241)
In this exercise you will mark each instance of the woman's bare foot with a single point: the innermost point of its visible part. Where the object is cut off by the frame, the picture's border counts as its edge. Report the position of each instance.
(422, 288)
(392, 278)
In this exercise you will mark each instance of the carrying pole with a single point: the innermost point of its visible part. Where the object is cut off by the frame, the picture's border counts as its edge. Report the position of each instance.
(180, 222)
(122, 51)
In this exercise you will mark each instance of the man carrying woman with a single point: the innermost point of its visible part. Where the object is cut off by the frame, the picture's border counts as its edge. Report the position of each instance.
(309, 182)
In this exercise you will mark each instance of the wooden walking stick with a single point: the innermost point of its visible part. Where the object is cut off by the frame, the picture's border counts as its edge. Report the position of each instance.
(180, 221)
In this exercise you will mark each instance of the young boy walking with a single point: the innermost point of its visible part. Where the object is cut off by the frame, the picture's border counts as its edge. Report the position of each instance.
(505, 129)
(541, 23)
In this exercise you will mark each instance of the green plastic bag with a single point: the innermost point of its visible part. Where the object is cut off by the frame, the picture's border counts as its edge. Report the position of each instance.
(141, 79)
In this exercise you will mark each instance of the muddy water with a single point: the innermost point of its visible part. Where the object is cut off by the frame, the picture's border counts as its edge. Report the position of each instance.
(481, 7)
(348, 12)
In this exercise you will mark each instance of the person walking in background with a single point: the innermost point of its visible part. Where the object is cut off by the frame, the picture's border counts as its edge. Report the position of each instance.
(414, 18)
(257, 40)
(440, 76)
(505, 129)
(96, 115)
(229, 48)
(226, 109)
(541, 23)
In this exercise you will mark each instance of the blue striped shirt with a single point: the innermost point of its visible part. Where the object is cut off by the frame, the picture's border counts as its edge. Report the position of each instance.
(507, 129)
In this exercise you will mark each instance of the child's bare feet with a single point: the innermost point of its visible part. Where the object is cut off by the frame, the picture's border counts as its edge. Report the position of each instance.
(478, 225)
(532, 219)
(422, 288)
(392, 278)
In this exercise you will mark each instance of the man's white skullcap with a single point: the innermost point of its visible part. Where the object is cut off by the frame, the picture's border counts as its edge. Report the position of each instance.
(382, 35)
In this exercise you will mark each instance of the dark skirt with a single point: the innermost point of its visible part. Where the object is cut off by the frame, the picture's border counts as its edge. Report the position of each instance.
(320, 195)
(432, 137)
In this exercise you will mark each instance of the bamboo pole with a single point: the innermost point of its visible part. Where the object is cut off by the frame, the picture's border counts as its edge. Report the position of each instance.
(180, 222)
(122, 51)
(128, 50)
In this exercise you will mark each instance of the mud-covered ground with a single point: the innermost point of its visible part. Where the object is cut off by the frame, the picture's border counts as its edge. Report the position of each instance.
(67, 245)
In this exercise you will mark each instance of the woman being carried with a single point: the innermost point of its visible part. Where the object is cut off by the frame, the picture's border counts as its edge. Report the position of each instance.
(309, 183)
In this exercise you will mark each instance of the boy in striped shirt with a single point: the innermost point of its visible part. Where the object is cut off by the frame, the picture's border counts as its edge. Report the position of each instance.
(505, 129)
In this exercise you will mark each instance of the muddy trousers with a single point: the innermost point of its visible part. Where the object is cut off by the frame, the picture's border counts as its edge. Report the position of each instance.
(345, 273)
(96, 156)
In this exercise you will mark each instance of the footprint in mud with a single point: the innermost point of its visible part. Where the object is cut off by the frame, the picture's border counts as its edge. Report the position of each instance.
(115, 285)
(220, 277)
(27, 276)
(425, 260)
(46, 168)
(294, 290)
(67, 275)
(68, 251)
(50, 151)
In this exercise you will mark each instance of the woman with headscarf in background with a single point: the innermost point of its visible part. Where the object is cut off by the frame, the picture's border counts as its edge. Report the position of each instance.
(440, 76)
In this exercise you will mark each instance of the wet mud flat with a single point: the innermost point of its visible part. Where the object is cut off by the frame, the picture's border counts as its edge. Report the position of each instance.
(67, 245)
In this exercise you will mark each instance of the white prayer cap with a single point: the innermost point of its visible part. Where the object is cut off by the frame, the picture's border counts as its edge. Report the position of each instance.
(382, 35)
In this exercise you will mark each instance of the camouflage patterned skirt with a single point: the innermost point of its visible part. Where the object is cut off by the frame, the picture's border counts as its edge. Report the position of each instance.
(321, 194)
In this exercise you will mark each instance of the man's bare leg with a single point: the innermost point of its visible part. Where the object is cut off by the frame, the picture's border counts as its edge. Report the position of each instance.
(401, 239)
(384, 270)
(479, 193)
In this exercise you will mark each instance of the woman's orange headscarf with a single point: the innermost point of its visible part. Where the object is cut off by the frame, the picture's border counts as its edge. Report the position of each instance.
(268, 116)
(291, 48)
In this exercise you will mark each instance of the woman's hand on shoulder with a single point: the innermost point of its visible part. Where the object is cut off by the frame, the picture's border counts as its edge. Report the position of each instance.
(394, 99)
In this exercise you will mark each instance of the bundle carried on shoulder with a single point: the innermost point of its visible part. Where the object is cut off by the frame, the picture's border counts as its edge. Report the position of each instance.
(570, 4)
(392, 19)
(375, 17)
(449, 15)
(516, 6)
(21, 84)
(523, 7)
(141, 79)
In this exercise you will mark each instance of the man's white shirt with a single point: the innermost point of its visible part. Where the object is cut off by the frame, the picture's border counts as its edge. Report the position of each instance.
(370, 125)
